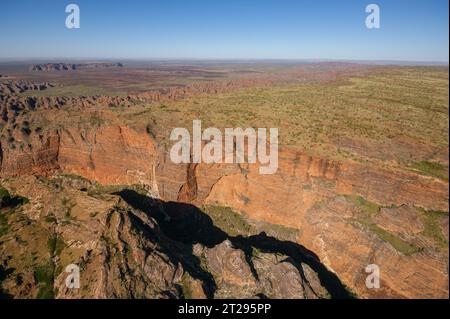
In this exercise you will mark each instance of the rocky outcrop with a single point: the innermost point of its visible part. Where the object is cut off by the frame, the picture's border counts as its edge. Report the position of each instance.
(119, 251)
(52, 67)
(16, 87)
(10, 101)
(123, 251)
(267, 275)
(350, 214)
(71, 67)
(320, 72)
(314, 196)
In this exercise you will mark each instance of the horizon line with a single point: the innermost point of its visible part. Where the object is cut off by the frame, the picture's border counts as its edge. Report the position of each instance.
(213, 59)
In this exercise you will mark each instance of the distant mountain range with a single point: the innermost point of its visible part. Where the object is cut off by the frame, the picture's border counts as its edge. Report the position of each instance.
(72, 67)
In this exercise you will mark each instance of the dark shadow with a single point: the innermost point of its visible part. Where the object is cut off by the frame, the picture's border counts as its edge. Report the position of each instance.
(4, 273)
(188, 225)
(299, 254)
(178, 252)
(12, 202)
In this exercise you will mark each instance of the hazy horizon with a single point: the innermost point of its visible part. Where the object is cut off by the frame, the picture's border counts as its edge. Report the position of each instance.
(410, 31)
(216, 60)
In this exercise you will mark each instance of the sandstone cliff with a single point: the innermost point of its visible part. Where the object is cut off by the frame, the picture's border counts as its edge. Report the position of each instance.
(124, 249)
(326, 201)
(345, 214)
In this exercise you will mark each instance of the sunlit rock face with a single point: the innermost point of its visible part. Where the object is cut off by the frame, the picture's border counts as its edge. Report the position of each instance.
(343, 215)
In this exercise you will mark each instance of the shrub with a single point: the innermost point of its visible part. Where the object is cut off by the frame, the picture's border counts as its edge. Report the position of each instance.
(45, 278)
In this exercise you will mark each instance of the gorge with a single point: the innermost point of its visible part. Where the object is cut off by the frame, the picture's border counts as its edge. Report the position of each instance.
(107, 183)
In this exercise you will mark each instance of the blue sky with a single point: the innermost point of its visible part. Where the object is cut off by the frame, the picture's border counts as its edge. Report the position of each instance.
(413, 30)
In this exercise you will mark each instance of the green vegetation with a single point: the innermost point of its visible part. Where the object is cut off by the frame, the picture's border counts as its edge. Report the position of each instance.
(75, 178)
(93, 214)
(4, 273)
(235, 224)
(228, 220)
(186, 286)
(351, 293)
(55, 245)
(20, 241)
(4, 194)
(432, 228)
(68, 205)
(3, 224)
(98, 189)
(96, 121)
(44, 275)
(364, 118)
(50, 219)
(22, 200)
(399, 244)
(368, 211)
(6, 199)
(369, 207)
(279, 231)
(432, 169)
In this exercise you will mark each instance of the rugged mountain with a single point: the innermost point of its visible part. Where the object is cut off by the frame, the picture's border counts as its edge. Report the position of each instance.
(328, 221)
(10, 87)
(344, 212)
(71, 67)
(126, 248)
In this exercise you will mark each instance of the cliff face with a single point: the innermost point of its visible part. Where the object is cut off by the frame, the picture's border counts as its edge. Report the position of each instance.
(125, 249)
(345, 215)
(40, 156)
(340, 210)
(110, 155)
(350, 214)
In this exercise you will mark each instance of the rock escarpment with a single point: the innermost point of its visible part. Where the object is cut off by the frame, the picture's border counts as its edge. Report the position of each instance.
(340, 212)
(346, 214)
(16, 87)
(128, 251)
(72, 67)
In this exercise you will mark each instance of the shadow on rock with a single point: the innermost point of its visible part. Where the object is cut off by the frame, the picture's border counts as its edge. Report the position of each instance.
(187, 224)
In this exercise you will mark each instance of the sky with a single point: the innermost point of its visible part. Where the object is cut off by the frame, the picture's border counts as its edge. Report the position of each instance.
(410, 30)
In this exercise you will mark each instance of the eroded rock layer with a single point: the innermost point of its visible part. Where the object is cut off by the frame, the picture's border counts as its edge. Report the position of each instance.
(313, 195)
(345, 214)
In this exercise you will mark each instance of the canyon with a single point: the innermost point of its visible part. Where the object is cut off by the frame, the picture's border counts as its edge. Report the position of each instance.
(140, 224)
